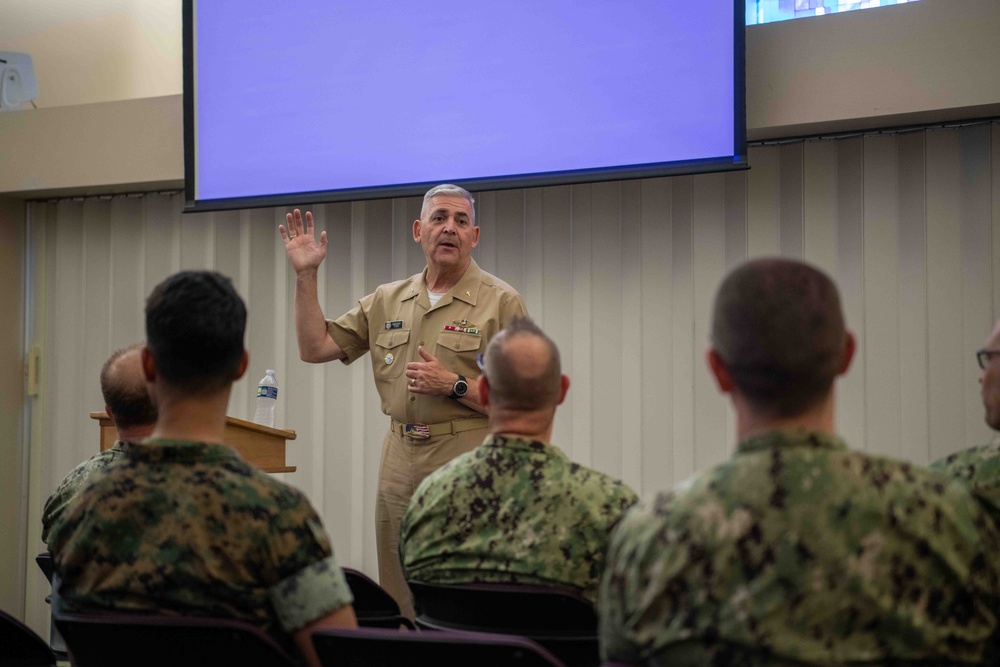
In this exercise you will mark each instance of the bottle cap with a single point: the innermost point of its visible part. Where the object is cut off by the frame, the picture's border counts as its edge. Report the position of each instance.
(269, 372)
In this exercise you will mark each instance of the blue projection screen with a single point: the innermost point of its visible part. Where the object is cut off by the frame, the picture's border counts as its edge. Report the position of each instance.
(324, 100)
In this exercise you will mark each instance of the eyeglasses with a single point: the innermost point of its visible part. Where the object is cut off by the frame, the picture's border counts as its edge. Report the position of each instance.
(982, 356)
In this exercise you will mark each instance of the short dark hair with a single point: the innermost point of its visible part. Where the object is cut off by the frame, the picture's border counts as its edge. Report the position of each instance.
(515, 385)
(125, 392)
(195, 323)
(779, 328)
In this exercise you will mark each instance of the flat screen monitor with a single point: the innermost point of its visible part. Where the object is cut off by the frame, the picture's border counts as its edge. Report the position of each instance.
(328, 100)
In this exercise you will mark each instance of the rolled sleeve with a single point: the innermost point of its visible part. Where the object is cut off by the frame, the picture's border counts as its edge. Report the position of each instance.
(309, 594)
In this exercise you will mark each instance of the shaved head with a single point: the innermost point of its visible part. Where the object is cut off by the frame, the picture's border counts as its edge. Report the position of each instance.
(523, 368)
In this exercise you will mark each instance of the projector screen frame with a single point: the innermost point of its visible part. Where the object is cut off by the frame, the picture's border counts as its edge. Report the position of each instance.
(736, 161)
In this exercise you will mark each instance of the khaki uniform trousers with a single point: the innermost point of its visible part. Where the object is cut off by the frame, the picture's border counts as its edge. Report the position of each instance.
(405, 463)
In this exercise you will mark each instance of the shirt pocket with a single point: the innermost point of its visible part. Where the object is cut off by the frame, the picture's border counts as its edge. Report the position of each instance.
(390, 353)
(458, 351)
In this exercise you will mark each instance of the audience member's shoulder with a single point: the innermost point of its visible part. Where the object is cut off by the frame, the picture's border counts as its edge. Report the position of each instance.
(971, 464)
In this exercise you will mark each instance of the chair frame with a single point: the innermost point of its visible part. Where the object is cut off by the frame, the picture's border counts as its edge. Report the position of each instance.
(248, 644)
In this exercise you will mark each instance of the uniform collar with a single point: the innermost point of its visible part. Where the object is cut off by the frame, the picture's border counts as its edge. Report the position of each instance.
(166, 450)
(522, 444)
(791, 438)
(466, 289)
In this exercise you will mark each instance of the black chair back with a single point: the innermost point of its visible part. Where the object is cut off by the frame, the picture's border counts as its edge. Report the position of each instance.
(373, 605)
(123, 640)
(377, 647)
(20, 646)
(44, 561)
(563, 623)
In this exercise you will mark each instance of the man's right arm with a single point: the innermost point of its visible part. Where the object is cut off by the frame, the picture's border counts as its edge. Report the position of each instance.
(305, 254)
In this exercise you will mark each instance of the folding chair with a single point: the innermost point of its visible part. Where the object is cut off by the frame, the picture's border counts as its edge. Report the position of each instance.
(119, 639)
(563, 623)
(373, 606)
(20, 646)
(378, 647)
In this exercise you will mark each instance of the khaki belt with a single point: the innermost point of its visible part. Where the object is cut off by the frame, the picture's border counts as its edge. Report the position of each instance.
(424, 431)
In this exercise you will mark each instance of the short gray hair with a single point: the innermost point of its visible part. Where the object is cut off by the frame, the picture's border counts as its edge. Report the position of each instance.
(448, 190)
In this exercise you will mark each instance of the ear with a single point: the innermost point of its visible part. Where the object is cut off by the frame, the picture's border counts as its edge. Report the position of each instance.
(563, 389)
(148, 364)
(850, 347)
(484, 390)
(107, 411)
(475, 236)
(719, 371)
(416, 230)
(243, 366)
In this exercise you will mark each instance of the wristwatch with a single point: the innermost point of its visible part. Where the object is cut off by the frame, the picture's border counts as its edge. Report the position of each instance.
(461, 387)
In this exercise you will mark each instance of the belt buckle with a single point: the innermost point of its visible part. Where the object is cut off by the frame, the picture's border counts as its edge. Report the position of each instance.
(417, 431)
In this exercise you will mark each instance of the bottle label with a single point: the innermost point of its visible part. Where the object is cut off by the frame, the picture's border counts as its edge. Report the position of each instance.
(267, 392)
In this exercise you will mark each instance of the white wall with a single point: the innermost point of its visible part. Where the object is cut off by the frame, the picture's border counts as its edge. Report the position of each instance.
(98, 50)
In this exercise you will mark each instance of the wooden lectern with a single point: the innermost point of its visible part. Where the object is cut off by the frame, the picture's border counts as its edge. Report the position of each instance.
(261, 446)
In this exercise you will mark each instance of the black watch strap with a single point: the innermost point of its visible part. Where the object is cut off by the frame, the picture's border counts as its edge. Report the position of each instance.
(460, 388)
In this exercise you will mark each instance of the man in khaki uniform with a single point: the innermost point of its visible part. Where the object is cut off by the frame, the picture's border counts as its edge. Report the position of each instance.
(424, 334)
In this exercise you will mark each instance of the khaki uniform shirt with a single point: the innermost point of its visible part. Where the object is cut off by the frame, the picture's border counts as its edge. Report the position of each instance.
(798, 550)
(189, 528)
(75, 482)
(512, 511)
(397, 318)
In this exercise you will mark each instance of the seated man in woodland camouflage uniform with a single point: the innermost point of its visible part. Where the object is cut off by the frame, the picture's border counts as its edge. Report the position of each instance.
(179, 523)
(798, 550)
(980, 466)
(515, 509)
(127, 403)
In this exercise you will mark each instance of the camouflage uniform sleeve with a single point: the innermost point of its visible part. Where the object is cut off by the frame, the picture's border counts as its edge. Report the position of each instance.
(622, 584)
(311, 583)
(64, 493)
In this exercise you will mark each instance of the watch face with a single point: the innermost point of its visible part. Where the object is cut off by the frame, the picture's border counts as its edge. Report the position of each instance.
(461, 388)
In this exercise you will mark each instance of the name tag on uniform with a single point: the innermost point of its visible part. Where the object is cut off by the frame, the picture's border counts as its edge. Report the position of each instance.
(395, 324)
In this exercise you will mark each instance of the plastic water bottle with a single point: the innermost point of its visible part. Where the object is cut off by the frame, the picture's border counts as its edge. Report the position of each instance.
(267, 398)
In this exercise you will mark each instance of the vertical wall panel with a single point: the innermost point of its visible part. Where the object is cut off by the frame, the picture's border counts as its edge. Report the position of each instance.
(851, 395)
(763, 201)
(913, 351)
(607, 324)
(995, 213)
(977, 297)
(583, 317)
(790, 233)
(657, 328)
(632, 331)
(708, 267)
(820, 208)
(682, 326)
(555, 313)
(880, 336)
(946, 341)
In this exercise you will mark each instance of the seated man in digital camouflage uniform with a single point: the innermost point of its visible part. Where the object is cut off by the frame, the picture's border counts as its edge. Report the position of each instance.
(179, 523)
(515, 509)
(127, 403)
(980, 466)
(798, 550)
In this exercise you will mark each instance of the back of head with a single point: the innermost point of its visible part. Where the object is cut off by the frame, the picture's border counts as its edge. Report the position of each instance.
(124, 389)
(523, 368)
(195, 323)
(779, 328)
(447, 190)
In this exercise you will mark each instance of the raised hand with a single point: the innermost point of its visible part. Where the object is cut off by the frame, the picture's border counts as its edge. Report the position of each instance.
(304, 252)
